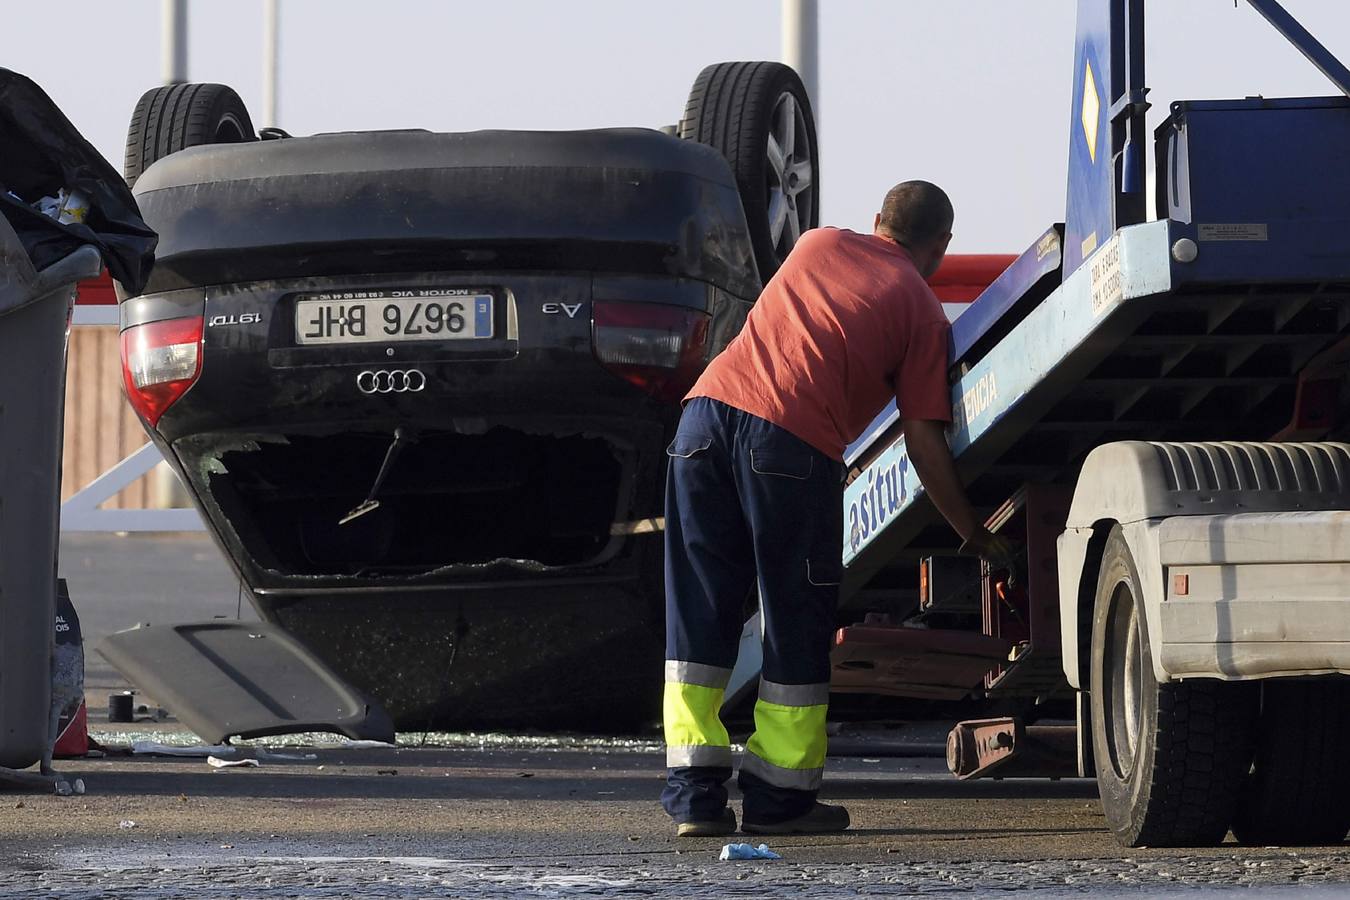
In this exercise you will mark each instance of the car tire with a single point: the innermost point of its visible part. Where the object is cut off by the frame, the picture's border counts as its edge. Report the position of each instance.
(1298, 792)
(177, 116)
(757, 114)
(1170, 758)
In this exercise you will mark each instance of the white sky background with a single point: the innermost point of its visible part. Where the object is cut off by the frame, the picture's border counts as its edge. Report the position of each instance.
(971, 94)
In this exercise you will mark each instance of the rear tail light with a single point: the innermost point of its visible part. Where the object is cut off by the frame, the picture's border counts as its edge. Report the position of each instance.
(160, 361)
(661, 349)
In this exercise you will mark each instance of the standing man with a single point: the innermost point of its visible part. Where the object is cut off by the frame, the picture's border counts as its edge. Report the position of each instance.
(754, 498)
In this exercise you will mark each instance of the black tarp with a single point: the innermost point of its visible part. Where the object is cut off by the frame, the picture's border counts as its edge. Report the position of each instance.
(41, 152)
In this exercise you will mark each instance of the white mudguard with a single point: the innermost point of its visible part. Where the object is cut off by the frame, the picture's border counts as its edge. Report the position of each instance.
(1242, 549)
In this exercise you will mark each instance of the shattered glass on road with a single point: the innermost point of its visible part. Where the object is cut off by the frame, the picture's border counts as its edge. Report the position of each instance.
(220, 876)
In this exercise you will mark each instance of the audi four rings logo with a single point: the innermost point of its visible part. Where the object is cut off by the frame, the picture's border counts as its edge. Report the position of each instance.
(391, 381)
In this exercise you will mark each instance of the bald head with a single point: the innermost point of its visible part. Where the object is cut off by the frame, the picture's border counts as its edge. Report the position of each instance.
(918, 215)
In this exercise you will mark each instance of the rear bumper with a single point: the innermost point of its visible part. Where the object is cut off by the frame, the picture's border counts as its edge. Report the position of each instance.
(577, 653)
(1256, 595)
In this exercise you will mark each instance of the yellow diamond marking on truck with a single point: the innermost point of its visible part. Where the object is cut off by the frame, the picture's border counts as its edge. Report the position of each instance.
(1092, 106)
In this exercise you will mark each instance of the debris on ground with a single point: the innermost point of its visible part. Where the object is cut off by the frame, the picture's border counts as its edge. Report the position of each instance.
(216, 762)
(126, 823)
(747, 851)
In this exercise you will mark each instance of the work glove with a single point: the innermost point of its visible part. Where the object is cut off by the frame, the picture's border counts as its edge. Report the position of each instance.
(999, 552)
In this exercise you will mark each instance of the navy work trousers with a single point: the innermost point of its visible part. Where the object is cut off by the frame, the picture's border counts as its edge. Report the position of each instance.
(748, 505)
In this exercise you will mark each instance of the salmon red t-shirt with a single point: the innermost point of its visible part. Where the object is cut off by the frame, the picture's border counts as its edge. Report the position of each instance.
(847, 323)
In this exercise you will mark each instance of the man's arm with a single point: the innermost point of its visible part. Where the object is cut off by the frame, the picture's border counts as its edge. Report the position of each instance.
(926, 444)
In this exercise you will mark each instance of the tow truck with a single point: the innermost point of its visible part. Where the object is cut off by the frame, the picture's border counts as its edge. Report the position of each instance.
(1154, 408)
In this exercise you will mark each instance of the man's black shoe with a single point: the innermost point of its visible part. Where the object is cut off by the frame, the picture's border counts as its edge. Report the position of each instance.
(714, 828)
(819, 819)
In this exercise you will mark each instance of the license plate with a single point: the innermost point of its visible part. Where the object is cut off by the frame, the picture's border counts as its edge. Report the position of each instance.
(376, 317)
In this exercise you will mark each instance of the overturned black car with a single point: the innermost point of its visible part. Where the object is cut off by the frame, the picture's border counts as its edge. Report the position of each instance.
(420, 385)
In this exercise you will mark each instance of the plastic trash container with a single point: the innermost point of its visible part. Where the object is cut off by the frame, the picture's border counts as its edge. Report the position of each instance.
(34, 324)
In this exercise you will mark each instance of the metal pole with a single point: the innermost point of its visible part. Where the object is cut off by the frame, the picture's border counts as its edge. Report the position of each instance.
(270, 60)
(800, 47)
(1325, 61)
(173, 41)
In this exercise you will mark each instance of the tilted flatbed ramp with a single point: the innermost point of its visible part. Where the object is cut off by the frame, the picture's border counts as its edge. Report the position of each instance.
(1132, 345)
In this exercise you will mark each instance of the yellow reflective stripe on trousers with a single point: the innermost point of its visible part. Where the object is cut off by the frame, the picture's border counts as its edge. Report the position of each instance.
(690, 712)
(791, 741)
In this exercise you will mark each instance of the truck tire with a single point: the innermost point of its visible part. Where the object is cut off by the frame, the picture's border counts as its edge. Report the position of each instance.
(171, 118)
(1170, 758)
(758, 116)
(1298, 791)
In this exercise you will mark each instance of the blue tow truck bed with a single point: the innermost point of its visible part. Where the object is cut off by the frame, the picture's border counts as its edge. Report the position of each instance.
(1135, 343)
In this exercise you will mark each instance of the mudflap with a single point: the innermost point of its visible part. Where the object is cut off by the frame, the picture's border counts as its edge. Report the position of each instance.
(242, 679)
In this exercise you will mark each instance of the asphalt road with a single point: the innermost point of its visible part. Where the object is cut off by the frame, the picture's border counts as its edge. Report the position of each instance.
(534, 817)
(507, 822)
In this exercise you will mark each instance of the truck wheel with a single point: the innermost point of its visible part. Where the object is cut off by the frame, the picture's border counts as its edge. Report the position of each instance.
(172, 118)
(1170, 757)
(758, 116)
(1298, 791)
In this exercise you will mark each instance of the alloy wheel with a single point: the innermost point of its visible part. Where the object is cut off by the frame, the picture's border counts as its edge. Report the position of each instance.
(789, 154)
